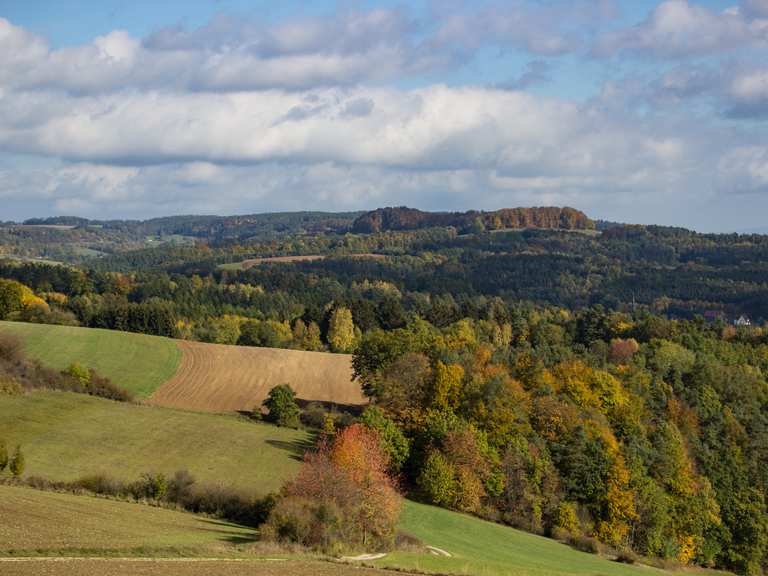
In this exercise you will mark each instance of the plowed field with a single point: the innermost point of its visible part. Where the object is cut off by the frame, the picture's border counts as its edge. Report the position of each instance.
(220, 378)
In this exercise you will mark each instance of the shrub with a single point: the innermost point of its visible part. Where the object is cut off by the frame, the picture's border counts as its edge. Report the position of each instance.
(314, 415)
(150, 486)
(305, 521)
(101, 484)
(79, 373)
(3, 455)
(9, 385)
(282, 406)
(17, 463)
(626, 556)
(585, 543)
(407, 541)
(180, 486)
(10, 348)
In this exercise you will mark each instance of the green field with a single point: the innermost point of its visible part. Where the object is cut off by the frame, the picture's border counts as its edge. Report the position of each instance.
(50, 523)
(136, 362)
(63, 534)
(65, 436)
(483, 548)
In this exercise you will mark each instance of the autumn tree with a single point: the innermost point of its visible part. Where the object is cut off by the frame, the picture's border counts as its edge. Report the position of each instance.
(341, 330)
(342, 496)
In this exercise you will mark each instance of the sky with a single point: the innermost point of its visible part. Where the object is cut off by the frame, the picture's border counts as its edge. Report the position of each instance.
(644, 111)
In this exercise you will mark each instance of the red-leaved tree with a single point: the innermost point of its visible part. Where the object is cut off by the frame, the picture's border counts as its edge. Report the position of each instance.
(342, 496)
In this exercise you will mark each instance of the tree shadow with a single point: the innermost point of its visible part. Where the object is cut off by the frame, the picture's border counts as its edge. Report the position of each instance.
(296, 448)
(353, 409)
(227, 534)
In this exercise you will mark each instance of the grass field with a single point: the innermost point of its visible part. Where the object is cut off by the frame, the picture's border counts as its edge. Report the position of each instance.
(219, 378)
(66, 435)
(181, 567)
(51, 523)
(482, 548)
(52, 533)
(135, 362)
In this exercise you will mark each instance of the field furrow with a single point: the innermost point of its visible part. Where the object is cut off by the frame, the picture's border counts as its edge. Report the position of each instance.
(220, 378)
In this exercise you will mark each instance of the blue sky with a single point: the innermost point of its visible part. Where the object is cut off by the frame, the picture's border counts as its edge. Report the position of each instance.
(648, 111)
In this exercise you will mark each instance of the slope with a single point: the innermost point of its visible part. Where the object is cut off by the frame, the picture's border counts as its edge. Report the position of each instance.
(65, 436)
(136, 362)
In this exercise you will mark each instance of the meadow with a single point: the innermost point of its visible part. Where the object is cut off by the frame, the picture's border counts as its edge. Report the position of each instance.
(65, 436)
(135, 362)
(483, 548)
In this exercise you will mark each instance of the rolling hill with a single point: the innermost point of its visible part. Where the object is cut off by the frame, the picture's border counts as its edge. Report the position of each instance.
(192, 375)
(66, 436)
(220, 378)
(63, 534)
(136, 362)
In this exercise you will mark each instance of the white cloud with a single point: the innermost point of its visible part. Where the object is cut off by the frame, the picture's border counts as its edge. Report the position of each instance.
(744, 170)
(679, 28)
(747, 93)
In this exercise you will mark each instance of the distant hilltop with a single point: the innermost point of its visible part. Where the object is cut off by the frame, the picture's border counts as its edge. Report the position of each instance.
(402, 218)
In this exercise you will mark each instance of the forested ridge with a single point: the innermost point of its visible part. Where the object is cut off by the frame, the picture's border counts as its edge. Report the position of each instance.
(579, 385)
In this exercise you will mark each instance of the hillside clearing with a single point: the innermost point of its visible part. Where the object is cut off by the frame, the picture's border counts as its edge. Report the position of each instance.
(483, 548)
(66, 436)
(221, 378)
(251, 262)
(135, 362)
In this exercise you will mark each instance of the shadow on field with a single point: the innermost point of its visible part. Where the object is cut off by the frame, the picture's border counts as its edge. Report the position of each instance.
(226, 533)
(297, 448)
(332, 407)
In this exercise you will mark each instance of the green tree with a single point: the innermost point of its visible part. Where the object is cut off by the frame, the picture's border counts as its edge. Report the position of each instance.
(80, 373)
(17, 463)
(341, 330)
(437, 480)
(282, 406)
(312, 340)
(393, 441)
(11, 297)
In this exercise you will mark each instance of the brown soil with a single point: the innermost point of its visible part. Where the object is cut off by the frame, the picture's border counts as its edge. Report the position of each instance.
(220, 378)
(176, 567)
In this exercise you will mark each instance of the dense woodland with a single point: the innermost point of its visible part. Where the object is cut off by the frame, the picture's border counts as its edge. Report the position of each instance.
(572, 383)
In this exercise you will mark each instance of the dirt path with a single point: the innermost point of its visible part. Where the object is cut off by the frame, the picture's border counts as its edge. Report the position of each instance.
(220, 378)
(61, 566)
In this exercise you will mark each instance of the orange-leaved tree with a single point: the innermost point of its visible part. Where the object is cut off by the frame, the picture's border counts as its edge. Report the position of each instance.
(343, 496)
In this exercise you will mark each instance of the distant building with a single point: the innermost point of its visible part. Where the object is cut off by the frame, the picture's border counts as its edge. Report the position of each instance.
(742, 321)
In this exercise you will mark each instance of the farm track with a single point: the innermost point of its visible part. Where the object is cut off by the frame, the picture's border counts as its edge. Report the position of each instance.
(221, 378)
(62, 566)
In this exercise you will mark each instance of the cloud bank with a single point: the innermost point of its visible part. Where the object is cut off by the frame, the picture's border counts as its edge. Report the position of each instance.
(238, 116)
